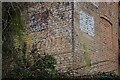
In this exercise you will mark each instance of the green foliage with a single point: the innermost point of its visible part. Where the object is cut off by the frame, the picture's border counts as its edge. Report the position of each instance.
(13, 31)
(15, 47)
(49, 61)
(43, 66)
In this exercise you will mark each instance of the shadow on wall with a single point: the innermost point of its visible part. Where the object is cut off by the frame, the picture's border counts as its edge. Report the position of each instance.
(119, 54)
(119, 38)
(119, 61)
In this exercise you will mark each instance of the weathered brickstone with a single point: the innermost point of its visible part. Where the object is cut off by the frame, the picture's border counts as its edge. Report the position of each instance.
(95, 50)
(55, 29)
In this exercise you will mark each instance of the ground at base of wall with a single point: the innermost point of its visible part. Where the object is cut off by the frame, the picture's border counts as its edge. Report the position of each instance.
(98, 76)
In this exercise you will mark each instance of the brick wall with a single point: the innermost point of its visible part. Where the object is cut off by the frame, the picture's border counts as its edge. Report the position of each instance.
(98, 53)
(55, 29)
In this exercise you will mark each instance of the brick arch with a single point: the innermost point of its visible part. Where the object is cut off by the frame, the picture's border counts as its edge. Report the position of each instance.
(106, 20)
(106, 33)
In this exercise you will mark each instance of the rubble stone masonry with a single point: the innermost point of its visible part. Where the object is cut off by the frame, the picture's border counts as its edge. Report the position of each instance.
(56, 29)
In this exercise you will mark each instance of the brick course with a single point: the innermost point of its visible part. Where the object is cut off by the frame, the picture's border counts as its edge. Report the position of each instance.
(74, 48)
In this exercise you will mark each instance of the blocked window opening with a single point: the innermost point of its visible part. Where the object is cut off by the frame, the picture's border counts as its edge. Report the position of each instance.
(106, 28)
(87, 23)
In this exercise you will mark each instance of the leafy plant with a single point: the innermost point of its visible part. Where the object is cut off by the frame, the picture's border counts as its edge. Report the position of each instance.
(16, 56)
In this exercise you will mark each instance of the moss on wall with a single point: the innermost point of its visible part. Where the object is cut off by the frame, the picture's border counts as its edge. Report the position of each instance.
(86, 56)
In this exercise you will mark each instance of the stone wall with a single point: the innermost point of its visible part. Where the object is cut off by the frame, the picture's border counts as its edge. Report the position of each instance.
(55, 29)
(50, 27)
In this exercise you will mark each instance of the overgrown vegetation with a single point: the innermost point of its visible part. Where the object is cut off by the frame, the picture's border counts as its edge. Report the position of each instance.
(100, 76)
(13, 31)
(43, 67)
(19, 62)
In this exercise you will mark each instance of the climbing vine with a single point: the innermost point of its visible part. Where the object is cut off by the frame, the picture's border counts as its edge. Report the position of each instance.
(19, 60)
